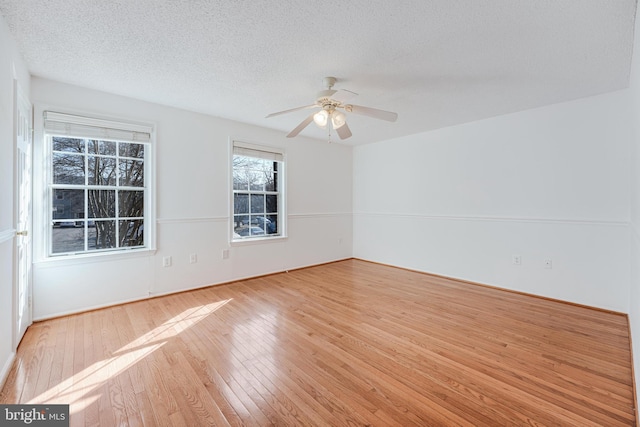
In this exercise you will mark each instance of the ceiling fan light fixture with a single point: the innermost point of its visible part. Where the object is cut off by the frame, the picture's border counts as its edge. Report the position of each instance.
(338, 119)
(329, 100)
(320, 118)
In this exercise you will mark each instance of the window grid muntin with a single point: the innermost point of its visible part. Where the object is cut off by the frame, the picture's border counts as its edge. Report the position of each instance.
(116, 219)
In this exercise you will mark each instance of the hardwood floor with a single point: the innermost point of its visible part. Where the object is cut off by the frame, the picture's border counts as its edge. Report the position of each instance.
(348, 343)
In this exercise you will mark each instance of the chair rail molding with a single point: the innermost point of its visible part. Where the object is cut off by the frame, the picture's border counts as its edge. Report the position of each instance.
(6, 235)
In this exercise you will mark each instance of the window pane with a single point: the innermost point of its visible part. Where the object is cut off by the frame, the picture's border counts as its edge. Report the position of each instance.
(256, 231)
(272, 203)
(103, 235)
(263, 222)
(248, 230)
(68, 204)
(130, 204)
(131, 233)
(258, 181)
(240, 220)
(271, 183)
(255, 181)
(72, 145)
(262, 165)
(131, 173)
(92, 147)
(131, 150)
(102, 170)
(102, 203)
(66, 238)
(68, 169)
(101, 147)
(272, 225)
(240, 203)
(240, 162)
(240, 180)
(257, 203)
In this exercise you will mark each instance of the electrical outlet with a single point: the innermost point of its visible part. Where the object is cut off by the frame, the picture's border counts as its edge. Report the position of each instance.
(516, 260)
(193, 258)
(166, 261)
(225, 253)
(548, 264)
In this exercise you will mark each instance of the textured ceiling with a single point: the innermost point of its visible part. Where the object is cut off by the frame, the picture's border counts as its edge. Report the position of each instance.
(435, 62)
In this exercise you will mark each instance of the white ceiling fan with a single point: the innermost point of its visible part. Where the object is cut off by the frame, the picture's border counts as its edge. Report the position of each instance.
(330, 102)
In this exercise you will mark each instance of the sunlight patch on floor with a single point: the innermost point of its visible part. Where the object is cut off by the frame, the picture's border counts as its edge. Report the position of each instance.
(77, 390)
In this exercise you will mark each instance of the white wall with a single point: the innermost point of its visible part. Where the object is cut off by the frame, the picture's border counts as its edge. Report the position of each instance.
(546, 183)
(192, 152)
(11, 67)
(634, 296)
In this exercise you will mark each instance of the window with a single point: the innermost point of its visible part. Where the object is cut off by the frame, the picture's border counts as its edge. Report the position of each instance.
(258, 176)
(97, 184)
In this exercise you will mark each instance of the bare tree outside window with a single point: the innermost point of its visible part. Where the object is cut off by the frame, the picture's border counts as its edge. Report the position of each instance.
(97, 195)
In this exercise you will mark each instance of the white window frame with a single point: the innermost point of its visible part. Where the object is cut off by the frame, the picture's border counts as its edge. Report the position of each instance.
(268, 153)
(51, 122)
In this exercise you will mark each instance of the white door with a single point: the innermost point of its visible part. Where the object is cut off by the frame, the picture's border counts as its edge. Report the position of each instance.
(23, 136)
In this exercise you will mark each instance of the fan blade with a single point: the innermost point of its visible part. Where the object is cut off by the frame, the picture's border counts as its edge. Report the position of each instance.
(372, 112)
(343, 95)
(344, 132)
(301, 126)
(291, 110)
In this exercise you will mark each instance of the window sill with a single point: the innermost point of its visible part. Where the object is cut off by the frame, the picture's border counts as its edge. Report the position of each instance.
(63, 260)
(257, 241)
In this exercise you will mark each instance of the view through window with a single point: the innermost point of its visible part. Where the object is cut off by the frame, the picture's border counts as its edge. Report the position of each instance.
(257, 182)
(97, 194)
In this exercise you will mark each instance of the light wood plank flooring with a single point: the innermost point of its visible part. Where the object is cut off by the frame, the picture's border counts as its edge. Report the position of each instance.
(349, 343)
